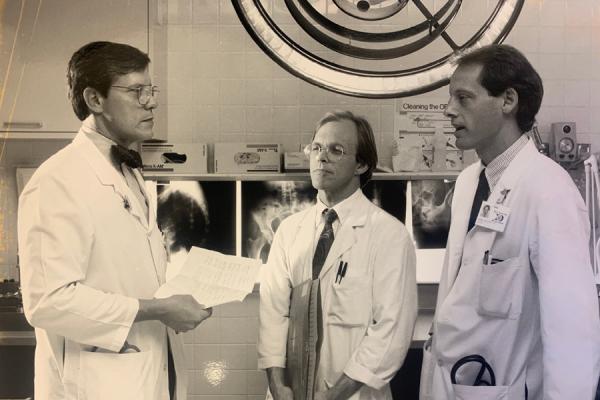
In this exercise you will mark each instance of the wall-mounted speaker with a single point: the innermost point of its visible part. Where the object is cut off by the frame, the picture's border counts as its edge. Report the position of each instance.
(565, 141)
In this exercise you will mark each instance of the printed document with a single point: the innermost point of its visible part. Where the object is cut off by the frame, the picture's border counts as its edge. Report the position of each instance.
(213, 278)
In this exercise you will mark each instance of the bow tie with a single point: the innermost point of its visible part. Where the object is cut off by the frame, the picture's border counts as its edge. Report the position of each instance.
(131, 158)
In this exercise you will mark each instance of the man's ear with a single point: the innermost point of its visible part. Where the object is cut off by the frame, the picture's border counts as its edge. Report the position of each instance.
(510, 101)
(361, 168)
(94, 100)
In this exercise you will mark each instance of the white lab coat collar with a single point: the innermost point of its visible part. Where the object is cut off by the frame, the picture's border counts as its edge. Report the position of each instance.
(108, 175)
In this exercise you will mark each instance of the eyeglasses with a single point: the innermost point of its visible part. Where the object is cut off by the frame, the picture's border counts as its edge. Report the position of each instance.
(144, 92)
(335, 151)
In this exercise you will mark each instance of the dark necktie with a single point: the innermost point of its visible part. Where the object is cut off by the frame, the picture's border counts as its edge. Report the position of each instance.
(325, 242)
(481, 194)
(131, 158)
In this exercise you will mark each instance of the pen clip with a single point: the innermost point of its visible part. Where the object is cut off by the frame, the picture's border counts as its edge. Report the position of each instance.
(486, 257)
(339, 273)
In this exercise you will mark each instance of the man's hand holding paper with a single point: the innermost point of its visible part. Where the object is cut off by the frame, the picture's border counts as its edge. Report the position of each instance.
(213, 278)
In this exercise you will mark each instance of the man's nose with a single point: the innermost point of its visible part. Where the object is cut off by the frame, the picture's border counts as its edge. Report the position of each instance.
(323, 155)
(152, 103)
(450, 111)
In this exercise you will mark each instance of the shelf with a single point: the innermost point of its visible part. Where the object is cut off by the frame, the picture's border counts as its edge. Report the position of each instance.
(291, 176)
(15, 135)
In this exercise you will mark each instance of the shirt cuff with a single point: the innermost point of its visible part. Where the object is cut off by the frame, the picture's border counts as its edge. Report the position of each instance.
(359, 373)
(270, 362)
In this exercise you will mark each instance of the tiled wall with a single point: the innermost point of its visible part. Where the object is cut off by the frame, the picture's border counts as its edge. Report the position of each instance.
(222, 88)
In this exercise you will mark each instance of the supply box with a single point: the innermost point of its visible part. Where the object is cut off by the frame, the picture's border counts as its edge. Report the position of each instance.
(246, 157)
(179, 158)
(295, 161)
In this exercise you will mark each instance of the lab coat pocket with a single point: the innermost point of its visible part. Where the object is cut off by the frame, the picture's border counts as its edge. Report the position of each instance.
(116, 376)
(463, 392)
(349, 303)
(497, 290)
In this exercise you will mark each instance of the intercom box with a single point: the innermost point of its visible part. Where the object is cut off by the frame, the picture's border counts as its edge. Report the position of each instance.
(231, 158)
(179, 158)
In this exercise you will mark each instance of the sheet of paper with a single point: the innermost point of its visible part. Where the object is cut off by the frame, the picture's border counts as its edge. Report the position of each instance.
(213, 278)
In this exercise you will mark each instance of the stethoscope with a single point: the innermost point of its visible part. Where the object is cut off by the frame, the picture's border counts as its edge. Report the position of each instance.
(484, 366)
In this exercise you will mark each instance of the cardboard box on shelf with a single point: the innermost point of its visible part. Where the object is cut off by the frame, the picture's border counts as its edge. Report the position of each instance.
(295, 161)
(246, 157)
(180, 158)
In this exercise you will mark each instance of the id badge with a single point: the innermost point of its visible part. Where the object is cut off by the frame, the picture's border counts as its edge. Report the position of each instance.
(492, 216)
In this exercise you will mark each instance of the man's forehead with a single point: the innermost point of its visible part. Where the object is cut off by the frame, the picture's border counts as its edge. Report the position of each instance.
(342, 132)
(466, 77)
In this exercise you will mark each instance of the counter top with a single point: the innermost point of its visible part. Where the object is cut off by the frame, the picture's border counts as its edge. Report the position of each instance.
(17, 338)
(421, 332)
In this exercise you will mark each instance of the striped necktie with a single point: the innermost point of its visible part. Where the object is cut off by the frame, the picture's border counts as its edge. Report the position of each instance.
(325, 242)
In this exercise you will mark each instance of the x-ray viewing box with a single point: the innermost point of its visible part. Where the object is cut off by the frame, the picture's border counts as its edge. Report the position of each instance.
(247, 157)
(187, 158)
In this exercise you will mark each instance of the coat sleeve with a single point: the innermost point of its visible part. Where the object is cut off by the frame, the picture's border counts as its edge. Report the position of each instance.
(275, 291)
(570, 326)
(394, 310)
(56, 236)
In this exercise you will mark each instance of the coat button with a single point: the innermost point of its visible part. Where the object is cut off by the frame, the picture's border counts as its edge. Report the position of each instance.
(440, 363)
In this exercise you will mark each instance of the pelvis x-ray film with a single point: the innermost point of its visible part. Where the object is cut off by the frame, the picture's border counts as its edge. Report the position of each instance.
(266, 204)
(431, 201)
(192, 213)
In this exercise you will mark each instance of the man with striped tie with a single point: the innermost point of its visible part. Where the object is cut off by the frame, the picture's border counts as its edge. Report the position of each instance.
(365, 262)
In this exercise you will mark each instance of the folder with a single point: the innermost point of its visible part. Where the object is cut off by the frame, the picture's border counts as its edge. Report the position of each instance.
(303, 339)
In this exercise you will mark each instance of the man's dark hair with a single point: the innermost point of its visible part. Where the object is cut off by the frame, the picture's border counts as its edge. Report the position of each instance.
(366, 152)
(98, 65)
(506, 67)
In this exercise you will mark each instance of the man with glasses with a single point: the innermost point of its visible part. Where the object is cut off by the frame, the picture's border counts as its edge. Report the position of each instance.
(91, 253)
(365, 261)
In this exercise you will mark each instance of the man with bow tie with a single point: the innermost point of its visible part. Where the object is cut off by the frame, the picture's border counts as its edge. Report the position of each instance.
(91, 253)
(364, 260)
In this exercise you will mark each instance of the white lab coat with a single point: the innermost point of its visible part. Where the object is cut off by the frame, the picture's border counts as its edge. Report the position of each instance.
(368, 319)
(534, 316)
(85, 260)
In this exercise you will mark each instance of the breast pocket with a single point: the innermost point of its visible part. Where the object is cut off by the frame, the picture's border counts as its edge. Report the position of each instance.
(499, 294)
(350, 302)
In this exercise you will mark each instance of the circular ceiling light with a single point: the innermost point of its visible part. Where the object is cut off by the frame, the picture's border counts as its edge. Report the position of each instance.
(373, 48)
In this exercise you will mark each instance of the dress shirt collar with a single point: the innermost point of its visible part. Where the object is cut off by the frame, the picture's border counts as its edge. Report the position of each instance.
(102, 142)
(498, 165)
(342, 209)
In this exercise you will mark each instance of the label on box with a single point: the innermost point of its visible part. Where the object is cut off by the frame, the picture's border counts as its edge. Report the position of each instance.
(174, 157)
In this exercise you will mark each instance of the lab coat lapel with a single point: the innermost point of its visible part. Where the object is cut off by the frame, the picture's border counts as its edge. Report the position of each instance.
(346, 235)
(464, 191)
(304, 244)
(109, 176)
